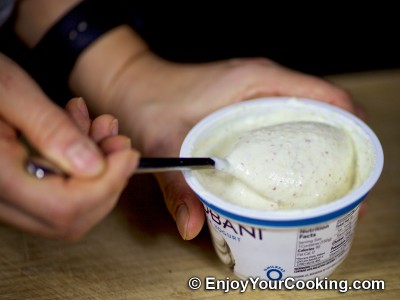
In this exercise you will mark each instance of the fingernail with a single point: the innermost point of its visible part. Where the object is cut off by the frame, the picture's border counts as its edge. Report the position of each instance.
(114, 127)
(85, 158)
(181, 220)
(128, 142)
(82, 107)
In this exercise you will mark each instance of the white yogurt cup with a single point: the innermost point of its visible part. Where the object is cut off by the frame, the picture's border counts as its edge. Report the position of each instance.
(274, 245)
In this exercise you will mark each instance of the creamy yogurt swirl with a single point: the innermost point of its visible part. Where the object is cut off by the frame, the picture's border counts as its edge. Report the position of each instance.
(295, 164)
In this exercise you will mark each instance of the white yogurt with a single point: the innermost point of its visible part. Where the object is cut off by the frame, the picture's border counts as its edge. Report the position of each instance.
(295, 164)
(287, 159)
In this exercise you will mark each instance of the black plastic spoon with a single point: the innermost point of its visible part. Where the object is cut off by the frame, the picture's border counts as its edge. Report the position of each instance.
(146, 165)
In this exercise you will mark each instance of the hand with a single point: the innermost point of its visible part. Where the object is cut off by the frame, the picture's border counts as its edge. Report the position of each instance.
(158, 103)
(57, 206)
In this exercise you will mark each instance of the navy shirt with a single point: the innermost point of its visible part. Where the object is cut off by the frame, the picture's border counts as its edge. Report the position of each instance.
(6, 7)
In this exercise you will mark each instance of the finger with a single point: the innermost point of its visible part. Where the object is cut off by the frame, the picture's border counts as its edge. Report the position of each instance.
(79, 113)
(103, 126)
(19, 219)
(265, 78)
(23, 220)
(97, 211)
(363, 209)
(298, 84)
(46, 126)
(115, 143)
(100, 130)
(13, 155)
(361, 112)
(180, 200)
(303, 85)
(99, 197)
(68, 207)
(183, 204)
(6, 131)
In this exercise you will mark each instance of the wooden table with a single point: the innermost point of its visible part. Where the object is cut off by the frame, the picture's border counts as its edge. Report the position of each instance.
(136, 253)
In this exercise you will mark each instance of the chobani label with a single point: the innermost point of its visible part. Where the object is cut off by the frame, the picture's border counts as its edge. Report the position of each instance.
(278, 253)
(232, 230)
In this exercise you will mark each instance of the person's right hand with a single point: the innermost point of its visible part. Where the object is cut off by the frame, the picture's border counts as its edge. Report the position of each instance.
(56, 206)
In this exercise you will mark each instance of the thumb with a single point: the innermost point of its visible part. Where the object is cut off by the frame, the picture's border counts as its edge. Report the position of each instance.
(45, 125)
(185, 207)
(182, 203)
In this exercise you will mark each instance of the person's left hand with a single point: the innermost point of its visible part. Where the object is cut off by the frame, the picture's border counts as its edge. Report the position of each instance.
(158, 104)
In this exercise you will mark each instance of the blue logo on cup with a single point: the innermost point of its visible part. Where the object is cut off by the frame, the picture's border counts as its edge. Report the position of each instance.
(274, 272)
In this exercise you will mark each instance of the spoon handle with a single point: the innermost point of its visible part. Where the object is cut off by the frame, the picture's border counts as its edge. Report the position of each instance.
(165, 164)
(41, 168)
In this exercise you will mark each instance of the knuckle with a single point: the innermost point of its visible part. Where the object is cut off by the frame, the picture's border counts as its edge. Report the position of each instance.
(343, 94)
(174, 197)
(71, 220)
(157, 145)
(50, 130)
(8, 80)
(64, 215)
(247, 70)
(163, 141)
(169, 196)
(9, 184)
(251, 62)
(67, 235)
(74, 235)
(113, 185)
(10, 181)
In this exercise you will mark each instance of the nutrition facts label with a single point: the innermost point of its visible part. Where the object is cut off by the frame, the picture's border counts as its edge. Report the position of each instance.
(325, 244)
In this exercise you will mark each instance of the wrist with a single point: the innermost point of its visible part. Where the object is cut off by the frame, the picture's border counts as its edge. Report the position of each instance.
(71, 30)
(121, 76)
(99, 72)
